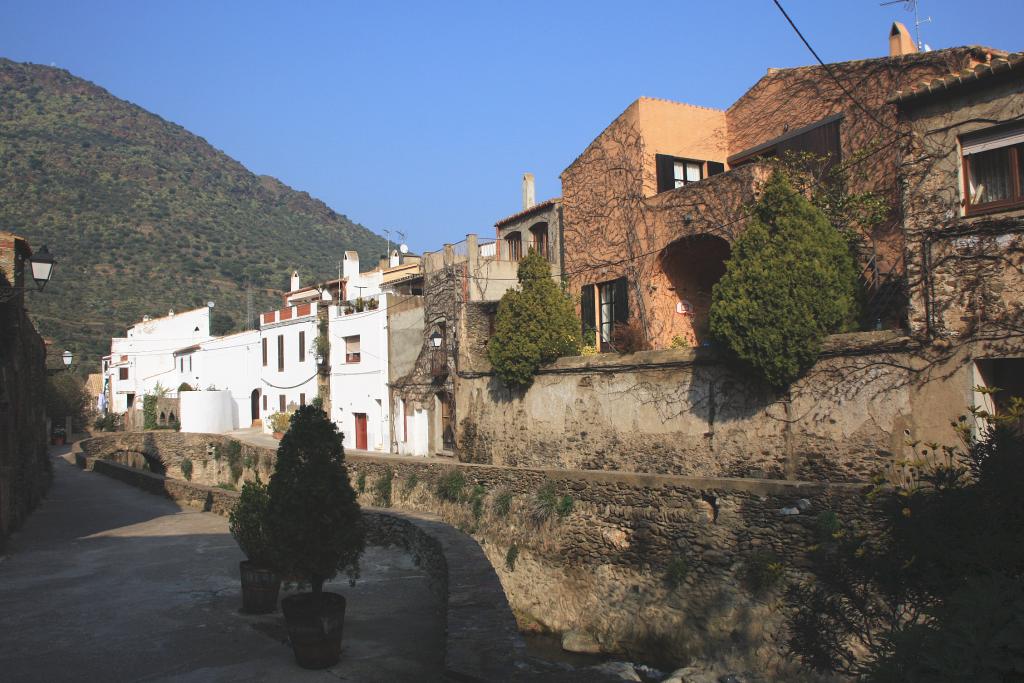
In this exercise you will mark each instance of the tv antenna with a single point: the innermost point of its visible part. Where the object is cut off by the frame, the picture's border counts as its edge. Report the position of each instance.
(387, 232)
(911, 6)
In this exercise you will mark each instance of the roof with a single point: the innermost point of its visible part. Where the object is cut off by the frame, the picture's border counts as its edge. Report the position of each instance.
(536, 208)
(405, 278)
(998, 65)
(187, 349)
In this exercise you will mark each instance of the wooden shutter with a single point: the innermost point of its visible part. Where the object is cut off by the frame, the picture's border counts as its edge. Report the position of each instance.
(621, 314)
(587, 313)
(715, 167)
(302, 346)
(264, 352)
(665, 166)
(280, 353)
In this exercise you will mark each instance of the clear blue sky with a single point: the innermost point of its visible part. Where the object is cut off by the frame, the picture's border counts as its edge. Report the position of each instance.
(422, 116)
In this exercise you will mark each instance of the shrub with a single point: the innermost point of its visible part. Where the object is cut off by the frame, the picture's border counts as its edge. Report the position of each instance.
(511, 556)
(279, 422)
(548, 503)
(680, 342)
(676, 572)
(410, 483)
(476, 501)
(536, 323)
(185, 386)
(630, 337)
(789, 282)
(382, 488)
(247, 522)
(361, 482)
(66, 396)
(186, 469)
(149, 412)
(762, 572)
(503, 503)
(314, 520)
(233, 453)
(449, 486)
(111, 422)
(221, 485)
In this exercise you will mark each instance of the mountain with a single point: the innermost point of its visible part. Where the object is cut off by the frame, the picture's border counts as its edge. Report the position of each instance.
(144, 216)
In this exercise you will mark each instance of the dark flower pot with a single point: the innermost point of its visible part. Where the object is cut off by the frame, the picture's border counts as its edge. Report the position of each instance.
(314, 628)
(260, 587)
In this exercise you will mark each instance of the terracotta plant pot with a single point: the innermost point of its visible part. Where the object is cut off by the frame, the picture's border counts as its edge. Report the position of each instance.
(314, 628)
(260, 587)
(278, 435)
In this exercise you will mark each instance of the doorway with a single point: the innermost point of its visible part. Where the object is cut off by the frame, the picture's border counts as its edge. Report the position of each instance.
(360, 430)
(254, 406)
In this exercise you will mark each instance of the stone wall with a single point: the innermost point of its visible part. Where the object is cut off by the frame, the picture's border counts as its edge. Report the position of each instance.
(686, 412)
(25, 471)
(601, 569)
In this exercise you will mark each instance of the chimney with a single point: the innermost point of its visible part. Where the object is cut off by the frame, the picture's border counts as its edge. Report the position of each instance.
(900, 42)
(350, 264)
(395, 259)
(295, 281)
(529, 198)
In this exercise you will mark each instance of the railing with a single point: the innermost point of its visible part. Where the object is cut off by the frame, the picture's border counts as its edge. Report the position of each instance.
(359, 305)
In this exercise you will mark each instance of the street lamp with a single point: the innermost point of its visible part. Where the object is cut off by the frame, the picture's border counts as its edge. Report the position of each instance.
(42, 267)
(435, 339)
(66, 357)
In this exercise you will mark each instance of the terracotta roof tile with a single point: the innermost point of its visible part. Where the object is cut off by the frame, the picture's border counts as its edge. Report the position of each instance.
(547, 203)
(998, 65)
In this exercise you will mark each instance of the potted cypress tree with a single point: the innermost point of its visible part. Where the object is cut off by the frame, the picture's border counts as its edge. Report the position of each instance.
(316, 530)
(248, 523)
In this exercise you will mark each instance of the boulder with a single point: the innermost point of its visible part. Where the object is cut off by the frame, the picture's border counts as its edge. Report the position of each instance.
(578, 641)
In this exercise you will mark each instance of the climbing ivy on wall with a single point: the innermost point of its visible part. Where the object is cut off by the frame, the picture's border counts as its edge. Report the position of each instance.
(149, 411)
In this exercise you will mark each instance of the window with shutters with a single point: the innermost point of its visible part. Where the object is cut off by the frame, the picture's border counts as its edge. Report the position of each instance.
(264, 352)
(514, 246)
(281, 403)
(264, 401)
(280, 353)
(539, 233)
(302, 346)
(122, 373)
(675, 172)
(352, 354)
(993, 167)
(602, 307)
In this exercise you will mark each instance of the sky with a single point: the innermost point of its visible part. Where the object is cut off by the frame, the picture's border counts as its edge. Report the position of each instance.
(422, 117)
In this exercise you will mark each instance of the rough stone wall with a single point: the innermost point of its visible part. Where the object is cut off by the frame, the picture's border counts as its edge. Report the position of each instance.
(602, 568)
(25, 471)
(686, 412)
(964, 272)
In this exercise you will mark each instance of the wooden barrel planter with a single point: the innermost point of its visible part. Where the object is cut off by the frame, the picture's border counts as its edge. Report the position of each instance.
(260, 587)
(314, 628)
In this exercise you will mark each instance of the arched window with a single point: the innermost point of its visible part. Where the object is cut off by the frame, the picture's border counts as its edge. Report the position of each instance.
(514, 246)
(539, 233)
(163, 418)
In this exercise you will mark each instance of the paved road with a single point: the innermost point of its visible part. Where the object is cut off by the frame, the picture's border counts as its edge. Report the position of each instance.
(108, 583)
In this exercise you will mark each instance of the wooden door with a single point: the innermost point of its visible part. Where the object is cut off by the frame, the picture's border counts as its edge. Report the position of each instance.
(360, 431)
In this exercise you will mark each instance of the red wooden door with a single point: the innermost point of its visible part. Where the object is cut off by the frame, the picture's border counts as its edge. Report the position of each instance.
(360, 431)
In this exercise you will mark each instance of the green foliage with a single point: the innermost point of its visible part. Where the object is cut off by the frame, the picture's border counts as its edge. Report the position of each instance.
(511, 556)
(144, 216)
(107, 423)
(450, 485)
(548, 503)
(314, 520)
(680, 342)
(382, 488)
(186, 469)
(361, 482)
(185, 386)
(233, 453)
(936, 590)
(411, 480)
(536, 324)
(476, 501)
(762, 572)
(676, 572)
(221, 485)
(279, 422)
(503, 503)
(149, 412)
(66, 397)
(248, 522)
(789, 282)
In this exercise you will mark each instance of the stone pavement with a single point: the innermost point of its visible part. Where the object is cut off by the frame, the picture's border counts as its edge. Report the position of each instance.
(108, 583)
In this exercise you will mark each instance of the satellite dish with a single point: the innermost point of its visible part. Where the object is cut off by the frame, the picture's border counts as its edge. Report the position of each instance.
(404, 248)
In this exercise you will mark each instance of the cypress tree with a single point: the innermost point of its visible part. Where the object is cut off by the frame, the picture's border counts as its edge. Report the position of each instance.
(536, 324)
(790, 281)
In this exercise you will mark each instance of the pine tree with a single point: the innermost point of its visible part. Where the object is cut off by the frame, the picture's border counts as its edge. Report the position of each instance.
(790, 281)
(536, 324)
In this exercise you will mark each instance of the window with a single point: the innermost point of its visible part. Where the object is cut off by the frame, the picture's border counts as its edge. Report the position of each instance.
(190, 363)
(540, 239)
(181, 364)
(514, 244)
(674, 172)
(280, 353)
(994, 169)
(280, 402)
(264, 401)
(602, 307)
(352, 354)
(264, 352)
(302, 346)
(302, 400)
(130, 398)
(122, 373)
(405, 421)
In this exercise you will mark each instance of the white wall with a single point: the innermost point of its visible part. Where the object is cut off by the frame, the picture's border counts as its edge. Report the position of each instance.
(232, 363)
(361, 387)
(416, 442)
(298, 379)
(207, 412)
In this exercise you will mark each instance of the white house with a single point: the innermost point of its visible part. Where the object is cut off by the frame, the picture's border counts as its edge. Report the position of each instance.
(287, 368)
(232, 363)
(145, 356)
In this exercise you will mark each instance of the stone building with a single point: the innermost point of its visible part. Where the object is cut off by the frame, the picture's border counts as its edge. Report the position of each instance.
(24, 467)
(536, 226)
(653, 204)
(963, 202)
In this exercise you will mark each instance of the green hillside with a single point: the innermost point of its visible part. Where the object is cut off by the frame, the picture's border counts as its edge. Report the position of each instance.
(143, 216)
